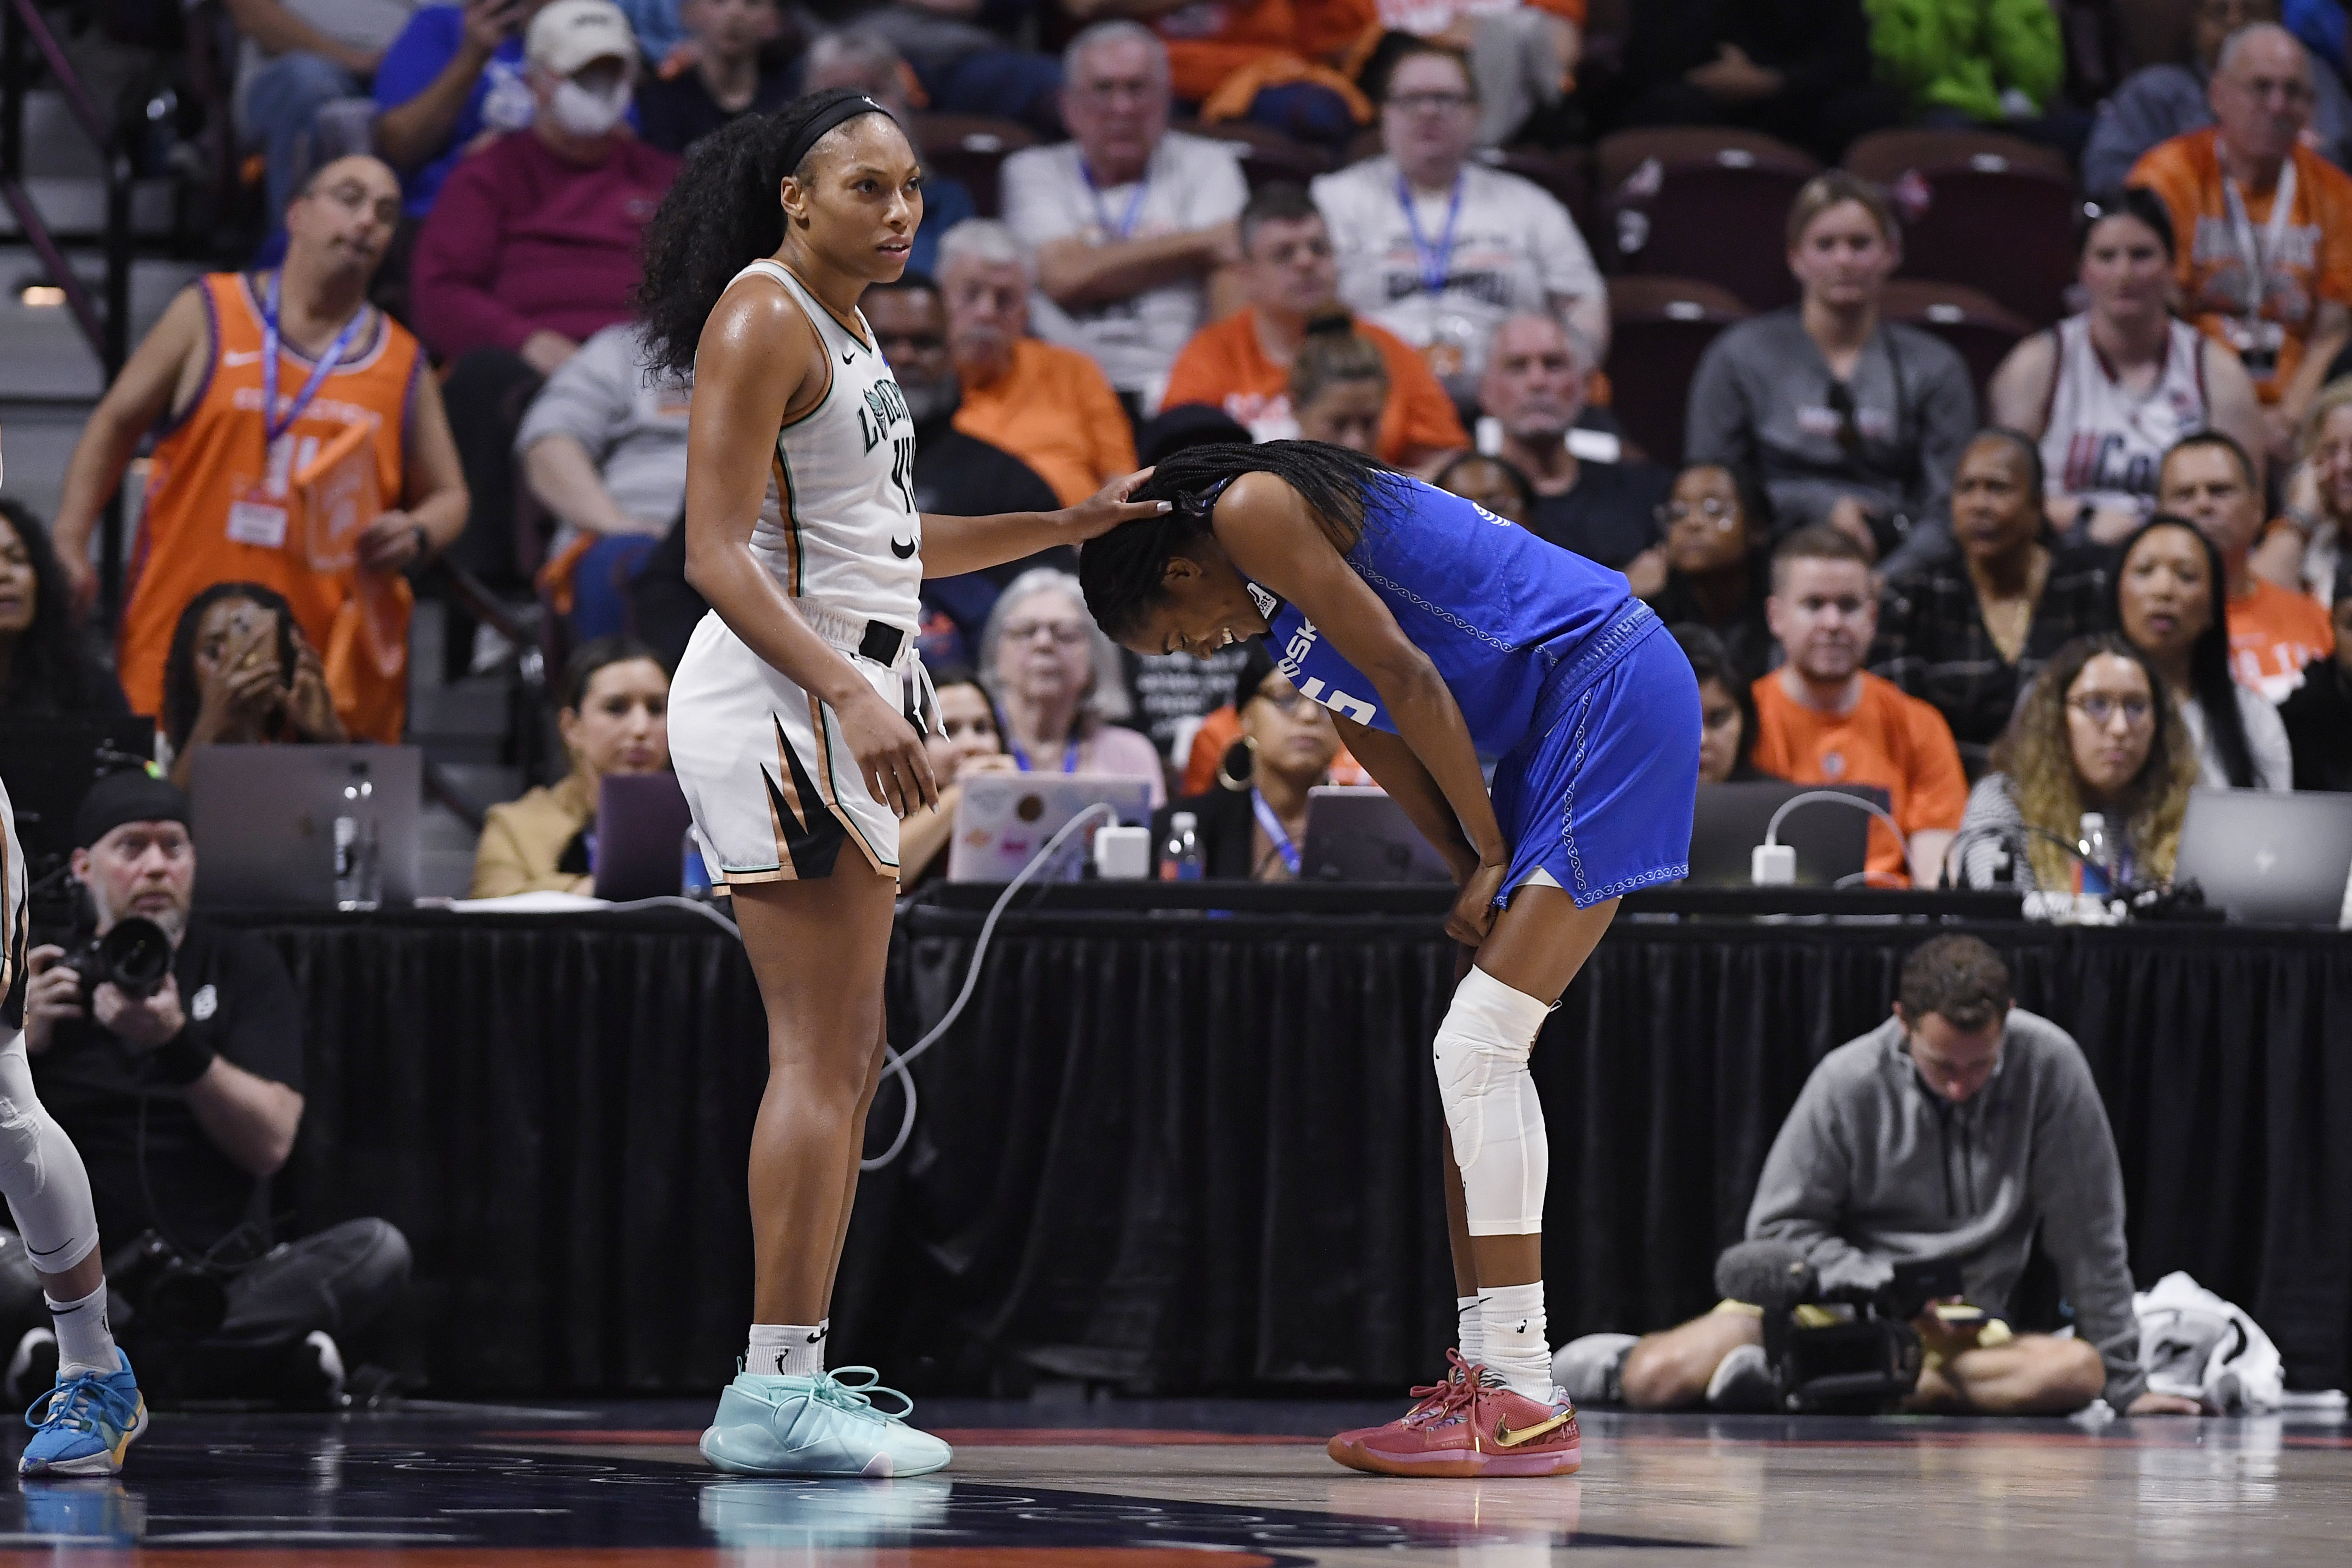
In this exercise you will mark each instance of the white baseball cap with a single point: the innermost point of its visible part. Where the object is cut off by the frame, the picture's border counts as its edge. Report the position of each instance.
(568, 33)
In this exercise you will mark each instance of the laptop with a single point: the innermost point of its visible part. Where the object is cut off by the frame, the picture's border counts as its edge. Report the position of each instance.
(2281, 859)
(1003, 819)
(264, 822)
(1832, 841)
(641, 823)
(1357, 834)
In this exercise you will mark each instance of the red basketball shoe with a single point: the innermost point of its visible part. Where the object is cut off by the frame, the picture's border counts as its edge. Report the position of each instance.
(1468, 1425)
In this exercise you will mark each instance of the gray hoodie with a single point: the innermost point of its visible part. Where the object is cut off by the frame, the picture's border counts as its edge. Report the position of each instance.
(1872, 1168)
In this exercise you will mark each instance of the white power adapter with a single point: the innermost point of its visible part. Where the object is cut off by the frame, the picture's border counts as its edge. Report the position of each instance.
(1773, 866)
(1123, 853)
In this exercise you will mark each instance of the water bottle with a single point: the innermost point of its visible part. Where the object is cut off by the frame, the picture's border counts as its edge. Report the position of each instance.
(694, 876)
(359, 865)
(1181, 857)
(2098, 866)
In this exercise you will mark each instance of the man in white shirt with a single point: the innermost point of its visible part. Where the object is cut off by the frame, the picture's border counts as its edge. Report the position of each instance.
(296, 56)
(1440, 250)
(1129, 224)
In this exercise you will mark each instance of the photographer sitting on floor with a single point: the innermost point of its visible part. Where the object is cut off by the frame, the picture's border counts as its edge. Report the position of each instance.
(185, 1100)
(1945, 1136)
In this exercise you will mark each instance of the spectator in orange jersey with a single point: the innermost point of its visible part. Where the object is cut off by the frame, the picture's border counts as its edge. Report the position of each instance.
(1242, 364)
(257, 373)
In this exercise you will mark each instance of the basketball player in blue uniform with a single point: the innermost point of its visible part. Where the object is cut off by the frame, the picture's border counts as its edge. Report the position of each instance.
(1434, 631)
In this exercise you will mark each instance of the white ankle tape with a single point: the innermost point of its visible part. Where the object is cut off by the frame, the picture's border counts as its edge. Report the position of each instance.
(1491, 1108)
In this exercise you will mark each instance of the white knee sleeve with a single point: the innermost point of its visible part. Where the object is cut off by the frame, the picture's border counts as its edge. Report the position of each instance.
(41, 1171)
(1490, 1104)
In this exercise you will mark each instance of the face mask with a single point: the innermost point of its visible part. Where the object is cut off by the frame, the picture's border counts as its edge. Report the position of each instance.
(585, 113)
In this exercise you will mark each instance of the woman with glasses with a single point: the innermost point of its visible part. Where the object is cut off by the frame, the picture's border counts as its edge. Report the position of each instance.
(1044, 663)
(2096, 733)
(2170, 604)
(2107, 393)
(1716, 524)
(1849, 420)
(1968, 634)
(1253, 821)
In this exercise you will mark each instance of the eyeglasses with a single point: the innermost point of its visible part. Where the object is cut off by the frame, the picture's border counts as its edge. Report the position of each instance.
(1713, 511)
(2101, 709)
(1286, 699)
(917, 342)
(1065, 634)
(1432, 102)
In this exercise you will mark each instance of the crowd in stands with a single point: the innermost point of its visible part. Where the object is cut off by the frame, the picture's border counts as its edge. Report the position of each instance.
(2098, 559)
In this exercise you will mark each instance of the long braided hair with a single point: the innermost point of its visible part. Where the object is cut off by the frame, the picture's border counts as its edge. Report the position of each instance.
(721, 215)
(1123, 572)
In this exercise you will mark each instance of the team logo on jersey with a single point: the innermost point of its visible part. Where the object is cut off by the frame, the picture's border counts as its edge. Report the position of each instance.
(1266, 601)
(885, 407)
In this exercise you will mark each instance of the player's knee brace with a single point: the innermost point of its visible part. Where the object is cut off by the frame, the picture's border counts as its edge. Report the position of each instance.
(1490, 1103)
(41, 1173)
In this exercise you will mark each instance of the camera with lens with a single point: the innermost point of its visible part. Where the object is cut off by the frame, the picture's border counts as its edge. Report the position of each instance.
(167, 1292)
(1865, 1360)
(135, 956)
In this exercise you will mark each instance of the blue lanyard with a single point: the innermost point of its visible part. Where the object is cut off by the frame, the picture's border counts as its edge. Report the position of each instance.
(272, 426)
(1437, 260)
(1069, 758)
(1126, 225)
(1276, 832)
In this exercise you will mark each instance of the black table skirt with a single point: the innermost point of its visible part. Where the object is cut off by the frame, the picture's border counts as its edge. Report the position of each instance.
(1191, 1153)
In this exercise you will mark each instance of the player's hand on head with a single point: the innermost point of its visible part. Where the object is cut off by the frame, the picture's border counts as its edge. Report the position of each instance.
(1107, 508)
(892, 757)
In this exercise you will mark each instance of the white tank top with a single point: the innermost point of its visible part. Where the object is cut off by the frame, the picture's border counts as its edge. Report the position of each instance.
(2101, 443)
(839, 526)
(16, 889)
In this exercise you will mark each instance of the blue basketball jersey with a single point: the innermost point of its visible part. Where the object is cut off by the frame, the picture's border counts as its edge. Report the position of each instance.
(1517, 627)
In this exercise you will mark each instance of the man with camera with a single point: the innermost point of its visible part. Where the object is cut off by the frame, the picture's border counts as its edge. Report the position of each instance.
(172, 1051)
(1894, 1220)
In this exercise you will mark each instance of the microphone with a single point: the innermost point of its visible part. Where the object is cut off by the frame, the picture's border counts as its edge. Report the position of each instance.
(1772, 1275)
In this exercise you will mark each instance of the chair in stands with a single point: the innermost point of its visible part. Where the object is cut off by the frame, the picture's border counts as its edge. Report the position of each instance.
(969, 147)
(1658, 329)
(1978, 327)
(1566, 174)
(1980, 208)
(1702, 203)
(1267, 155)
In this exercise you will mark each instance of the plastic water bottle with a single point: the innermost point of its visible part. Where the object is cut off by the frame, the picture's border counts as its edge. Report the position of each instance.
(694, 874)
(1180, 862)
(2098, 864)
(359, 865)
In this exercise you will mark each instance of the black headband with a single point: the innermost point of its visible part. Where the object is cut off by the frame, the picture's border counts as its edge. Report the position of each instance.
(814, 131)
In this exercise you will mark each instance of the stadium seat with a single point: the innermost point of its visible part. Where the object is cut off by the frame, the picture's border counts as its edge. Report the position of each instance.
(1658, 329)
(1267, 155)
(1567, 175)
(1974, 323)
(1701, 202)
(1991, 211)
(969, 147)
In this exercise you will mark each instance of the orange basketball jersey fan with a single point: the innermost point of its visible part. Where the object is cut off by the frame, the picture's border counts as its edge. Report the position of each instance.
(222, 504)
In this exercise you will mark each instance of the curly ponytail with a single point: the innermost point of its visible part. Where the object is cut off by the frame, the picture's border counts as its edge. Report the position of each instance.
(721, 214)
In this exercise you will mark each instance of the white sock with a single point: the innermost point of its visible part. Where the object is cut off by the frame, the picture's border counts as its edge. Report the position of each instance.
(85, 1342)
(785, 1350)
(1512, 1322)
(1469, 1329)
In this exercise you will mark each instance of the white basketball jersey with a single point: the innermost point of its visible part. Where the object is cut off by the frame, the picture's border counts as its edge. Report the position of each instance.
(839, 525)
(17, 890)
(2101, 442)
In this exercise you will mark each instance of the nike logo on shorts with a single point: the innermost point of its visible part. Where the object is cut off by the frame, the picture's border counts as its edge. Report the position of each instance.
(903, 552)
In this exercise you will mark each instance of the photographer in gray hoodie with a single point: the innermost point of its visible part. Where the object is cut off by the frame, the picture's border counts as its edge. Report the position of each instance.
(1950, 1133)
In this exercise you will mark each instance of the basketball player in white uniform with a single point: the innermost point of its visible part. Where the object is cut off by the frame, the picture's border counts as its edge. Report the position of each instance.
(2105, 394)
(96, 1410)
(797, 714)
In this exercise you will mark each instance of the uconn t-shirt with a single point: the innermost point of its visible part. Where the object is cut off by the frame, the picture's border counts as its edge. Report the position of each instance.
(1517, 627)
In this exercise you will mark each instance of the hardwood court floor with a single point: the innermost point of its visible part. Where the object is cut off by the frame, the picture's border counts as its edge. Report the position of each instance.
(1194, 1485)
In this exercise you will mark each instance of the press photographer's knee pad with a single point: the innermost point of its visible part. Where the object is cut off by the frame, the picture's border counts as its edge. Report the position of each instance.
(1491, 1107)
(41, 1173)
